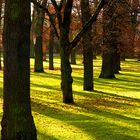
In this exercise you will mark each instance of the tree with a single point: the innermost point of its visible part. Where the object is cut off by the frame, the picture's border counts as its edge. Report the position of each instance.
(73, 56)
(87, 47)
(38, 45)
(134, 15)
(128, 23)
(1, 2)
(32, 33)
(95, 33)
(17, 121)
(134, 21)
(66, 46)
(110, 42)
(120, 21)
(51, 46)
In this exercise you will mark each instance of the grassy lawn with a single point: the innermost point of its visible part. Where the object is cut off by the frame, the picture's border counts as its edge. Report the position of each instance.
(111, 112)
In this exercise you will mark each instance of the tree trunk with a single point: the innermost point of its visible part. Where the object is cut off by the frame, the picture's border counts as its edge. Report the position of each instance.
(66, 78)
(1, 1)
(88, 68)
(122, 56)
(17, 121)
(87, 48)
(73, 51)
(38, 45)
(73, 56)
(32, 33)
(116, 63)
(32, 53)
(66, 70)
(51, 46)
(107, 65)
(110, 62)
(134, 22)
(94, 26)
(38, 55)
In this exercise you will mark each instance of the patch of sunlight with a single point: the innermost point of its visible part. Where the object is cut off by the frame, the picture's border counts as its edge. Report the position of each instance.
(1, 79)
(51, 126)
(45, 89)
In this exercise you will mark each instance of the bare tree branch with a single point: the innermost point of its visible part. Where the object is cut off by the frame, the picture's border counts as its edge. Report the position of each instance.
(88, 24)
(58, 12)
(67, 15)
(48, 13)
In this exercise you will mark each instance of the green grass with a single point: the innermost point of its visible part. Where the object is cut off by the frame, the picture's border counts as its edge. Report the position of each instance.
(111, 112)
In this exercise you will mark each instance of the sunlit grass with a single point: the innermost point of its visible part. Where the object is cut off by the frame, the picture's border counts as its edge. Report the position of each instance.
(111, 112)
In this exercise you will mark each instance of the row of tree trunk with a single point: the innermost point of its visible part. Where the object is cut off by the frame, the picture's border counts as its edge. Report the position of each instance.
(66, 47)
(111, 44)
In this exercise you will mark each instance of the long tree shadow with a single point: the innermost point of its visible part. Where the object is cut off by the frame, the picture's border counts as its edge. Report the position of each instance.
(101, 121)
(109, 102)
(109, 99)
(119, 96)
(46, 87)
(122, 83)
(130, 74)
(45, 74)
(42, 136)
(123, 86)
(1, 92)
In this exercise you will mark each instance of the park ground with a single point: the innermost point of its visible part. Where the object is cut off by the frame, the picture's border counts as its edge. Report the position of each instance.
(111, 112)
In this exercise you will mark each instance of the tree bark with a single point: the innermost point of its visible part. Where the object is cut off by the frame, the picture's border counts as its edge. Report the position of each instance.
(17, 121)
(73, 51)
(66, 70)
(94, 30)
(51, 46)
(1, 1)
(38, 46)
(134, 16)
(107, 65)
(110, 43)
(87, 48)
(73, 56)
(65, 50)
(116, 63)
(32, 33)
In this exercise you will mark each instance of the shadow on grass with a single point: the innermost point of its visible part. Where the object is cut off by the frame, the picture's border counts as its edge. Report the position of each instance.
(47, 75)
(130, 74)
(1, 92)
(46, 87)
(42, 136)
(130, 99)
(108, 98)
(130, 86)
(96, 122)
